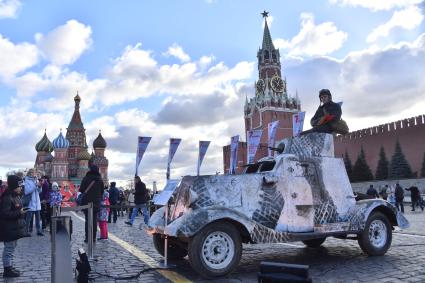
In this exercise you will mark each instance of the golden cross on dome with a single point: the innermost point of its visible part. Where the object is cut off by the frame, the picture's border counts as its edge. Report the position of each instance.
(265, 14)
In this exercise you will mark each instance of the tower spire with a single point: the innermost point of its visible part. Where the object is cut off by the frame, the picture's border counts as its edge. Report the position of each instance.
(267, 38)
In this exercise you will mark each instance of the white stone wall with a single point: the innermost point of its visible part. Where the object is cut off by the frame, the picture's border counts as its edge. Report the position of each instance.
(405, 183)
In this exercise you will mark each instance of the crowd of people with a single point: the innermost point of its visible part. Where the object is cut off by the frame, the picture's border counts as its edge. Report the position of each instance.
(395, 196)
(31, 199)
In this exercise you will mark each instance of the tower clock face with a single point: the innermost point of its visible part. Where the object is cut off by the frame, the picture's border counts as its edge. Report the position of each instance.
(260, 86)
(278, 85)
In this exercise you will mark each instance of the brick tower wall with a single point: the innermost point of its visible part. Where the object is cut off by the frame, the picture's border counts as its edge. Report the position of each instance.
(409, 132)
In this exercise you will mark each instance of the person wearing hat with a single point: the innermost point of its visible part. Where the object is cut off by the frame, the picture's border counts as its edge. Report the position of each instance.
(12, 223)
(92, 188)
(327, 114)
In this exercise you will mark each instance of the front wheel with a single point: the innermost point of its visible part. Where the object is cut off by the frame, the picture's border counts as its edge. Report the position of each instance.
(175, 250)
(216, 250)
(376, 237)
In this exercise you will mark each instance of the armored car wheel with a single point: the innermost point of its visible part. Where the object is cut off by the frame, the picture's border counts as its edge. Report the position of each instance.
(376, 237)
(216, 250)
(314, 243)
(175, 249)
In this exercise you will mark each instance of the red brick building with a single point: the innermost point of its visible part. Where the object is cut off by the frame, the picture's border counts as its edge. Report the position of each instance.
(271, 103)
(409, 132)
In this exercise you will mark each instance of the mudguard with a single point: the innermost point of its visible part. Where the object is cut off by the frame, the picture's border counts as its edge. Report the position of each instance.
(359, 214)
(193, 221)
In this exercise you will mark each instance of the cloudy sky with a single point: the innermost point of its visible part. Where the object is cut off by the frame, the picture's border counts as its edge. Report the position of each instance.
(183, 69)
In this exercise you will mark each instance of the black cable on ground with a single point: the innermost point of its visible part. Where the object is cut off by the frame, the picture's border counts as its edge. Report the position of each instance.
(129, 277)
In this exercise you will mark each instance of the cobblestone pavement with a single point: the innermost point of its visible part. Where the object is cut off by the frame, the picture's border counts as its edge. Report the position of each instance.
(129, 250)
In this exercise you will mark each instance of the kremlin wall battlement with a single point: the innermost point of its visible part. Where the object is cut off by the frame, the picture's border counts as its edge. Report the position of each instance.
(409, 132)
(385, 128)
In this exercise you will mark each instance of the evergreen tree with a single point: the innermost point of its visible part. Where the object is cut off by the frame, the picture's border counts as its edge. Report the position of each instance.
(348, 166)
(399, 167)
(382, 168)
(361, 170)
(423, 168)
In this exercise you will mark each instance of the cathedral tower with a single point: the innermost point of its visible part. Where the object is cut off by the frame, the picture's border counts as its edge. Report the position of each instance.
(270, 103)
(60, 161)
(76, 135)
(99, 159)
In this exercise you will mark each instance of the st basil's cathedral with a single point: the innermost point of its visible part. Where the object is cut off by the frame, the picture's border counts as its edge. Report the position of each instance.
(71, 160)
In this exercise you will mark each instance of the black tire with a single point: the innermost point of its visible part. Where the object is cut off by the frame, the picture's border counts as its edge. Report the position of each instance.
(176, 249)
(314, 243)
(216, 250)
(376, 237)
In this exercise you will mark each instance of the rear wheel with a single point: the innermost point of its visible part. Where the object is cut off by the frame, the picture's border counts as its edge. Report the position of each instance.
(314, 243)
(376, 237)
(176, 249)
(216, 250)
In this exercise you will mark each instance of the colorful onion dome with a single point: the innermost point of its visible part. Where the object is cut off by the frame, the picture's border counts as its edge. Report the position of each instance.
(60, 142)
(99, 142)
(84, 155)
(44, 144)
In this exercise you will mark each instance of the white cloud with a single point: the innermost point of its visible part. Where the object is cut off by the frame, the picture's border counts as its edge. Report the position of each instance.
(376, 5)
(9, 8)
(136, 74)
(313, 40)
(65, 44)
(15, 58)
(177, 51)
(408, 18)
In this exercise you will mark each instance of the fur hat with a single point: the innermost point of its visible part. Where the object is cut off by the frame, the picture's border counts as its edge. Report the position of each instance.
(13, 182)
(325, 92)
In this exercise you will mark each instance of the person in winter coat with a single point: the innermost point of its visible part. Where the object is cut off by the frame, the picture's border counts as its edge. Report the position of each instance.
(130, 200)
(114, 195)
(399, 197)
(55, 197)
(102, 217)
(372, 192)
(12, 223)
(326, 114)
(92, 188)
(415, 196)
(45, 204)
(33, 187)
(391, 194)
(141, 199)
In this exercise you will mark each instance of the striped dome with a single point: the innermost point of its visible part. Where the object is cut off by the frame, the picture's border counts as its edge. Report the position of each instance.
(60, 142)
(99, 142)
(44, 144)
(84, 155)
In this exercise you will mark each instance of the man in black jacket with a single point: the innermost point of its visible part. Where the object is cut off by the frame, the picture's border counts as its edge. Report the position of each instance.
(12, 223)
(372, 192)
(114, 195)
(415, 196)
(141, 199)
(326, 114)
(92, 188)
